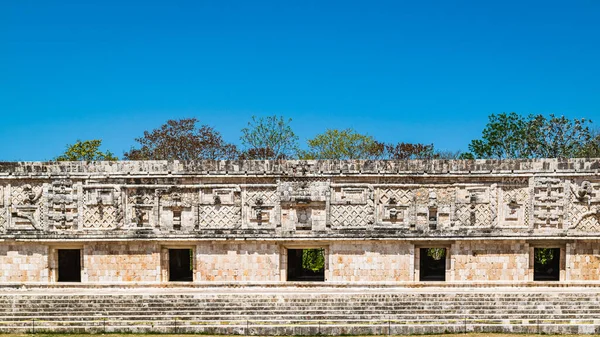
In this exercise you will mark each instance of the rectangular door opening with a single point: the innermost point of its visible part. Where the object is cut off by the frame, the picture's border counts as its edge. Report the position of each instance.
(69, 265)
(181, 265)
(546, 265)
(306, 265)
(432, 266)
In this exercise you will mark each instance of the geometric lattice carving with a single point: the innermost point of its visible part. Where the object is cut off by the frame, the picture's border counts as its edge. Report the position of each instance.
(348, 216)
(474, 215)
(590, 224)
(23, 194)
(402, 196)
(219, 216)
(268, 196)
(3, 224)
(100, 217)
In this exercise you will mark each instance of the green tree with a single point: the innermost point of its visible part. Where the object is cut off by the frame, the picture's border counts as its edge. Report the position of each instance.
(505, 136)
(87, 150)
(404, 151)
(313, 259)
(182, 140)
(342, 144)
(269, 138)
(534, 136)
(560, 137)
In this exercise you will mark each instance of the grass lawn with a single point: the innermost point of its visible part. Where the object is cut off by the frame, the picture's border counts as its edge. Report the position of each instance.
(187, 335)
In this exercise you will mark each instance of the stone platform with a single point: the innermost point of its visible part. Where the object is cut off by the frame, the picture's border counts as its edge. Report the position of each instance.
(294, 310)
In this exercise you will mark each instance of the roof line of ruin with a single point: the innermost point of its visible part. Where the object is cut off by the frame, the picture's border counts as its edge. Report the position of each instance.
(307, 167)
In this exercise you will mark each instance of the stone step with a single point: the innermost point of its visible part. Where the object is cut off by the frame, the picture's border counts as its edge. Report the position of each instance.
(316, 329)
(289, 316)
(279, 314)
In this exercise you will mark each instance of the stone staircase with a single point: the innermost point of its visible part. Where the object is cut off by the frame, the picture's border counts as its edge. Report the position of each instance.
(304, 313)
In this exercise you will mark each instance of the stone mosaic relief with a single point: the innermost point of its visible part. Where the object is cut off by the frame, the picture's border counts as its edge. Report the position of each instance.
(548, 202)
(301, 203)
(63, 210)
(26, 207)
(304, 204)
(220, 208)
(396, 207)
(433, 208)
(583, 198)
(515, 208)
(141, 203)
(261, 207)
(352, 207)
(103, 208)
(2, 210)
(176, 209)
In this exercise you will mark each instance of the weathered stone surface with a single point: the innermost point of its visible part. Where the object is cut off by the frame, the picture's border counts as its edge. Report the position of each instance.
(240, 217)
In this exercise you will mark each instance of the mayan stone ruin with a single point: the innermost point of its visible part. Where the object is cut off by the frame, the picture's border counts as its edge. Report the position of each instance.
(244, 222)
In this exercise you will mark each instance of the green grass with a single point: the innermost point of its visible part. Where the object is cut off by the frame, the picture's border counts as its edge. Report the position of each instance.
(188, 335)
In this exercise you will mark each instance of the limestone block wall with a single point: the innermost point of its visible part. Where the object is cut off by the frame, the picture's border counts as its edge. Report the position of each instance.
(583, 261)
(489, 261)
(23, 262)
(121, 262)
(246, 261)
(375, 261)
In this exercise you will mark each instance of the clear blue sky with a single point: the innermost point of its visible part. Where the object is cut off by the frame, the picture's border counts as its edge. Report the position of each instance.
(413, 71)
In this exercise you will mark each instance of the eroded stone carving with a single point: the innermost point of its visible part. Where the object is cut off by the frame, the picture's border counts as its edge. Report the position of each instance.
(103, 208)
(304, 204)
(220, 208)
(515, 206)
(475, 206)
(395, 205)
(584, 206)
(548, 203)
(25, 206)
(315, 196)
(141, 202)
(352, 207)
(261, 204)
(63, 210)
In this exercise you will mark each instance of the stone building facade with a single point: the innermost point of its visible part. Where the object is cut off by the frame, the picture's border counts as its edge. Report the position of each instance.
(521, 222)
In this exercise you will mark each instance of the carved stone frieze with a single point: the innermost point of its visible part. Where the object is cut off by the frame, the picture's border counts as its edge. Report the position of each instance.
(2, 220)
(103, 208)
(583, 199)
(287, 198)
(176, 209)
(304, 204)
(63, 208)
(219, 217)
(476, 206)
(261, 207)
(25, 207)
(140, 205)
(395, 207)
(548, 202)
(515, 207)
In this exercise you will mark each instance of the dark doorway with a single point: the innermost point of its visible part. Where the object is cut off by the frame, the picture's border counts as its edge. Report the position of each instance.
(546, 265)
(432, 266)
(180, 265)
(306, 265)
(69, 265)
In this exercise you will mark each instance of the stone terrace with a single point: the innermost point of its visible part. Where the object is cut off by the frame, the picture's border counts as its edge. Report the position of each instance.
(301, 311)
